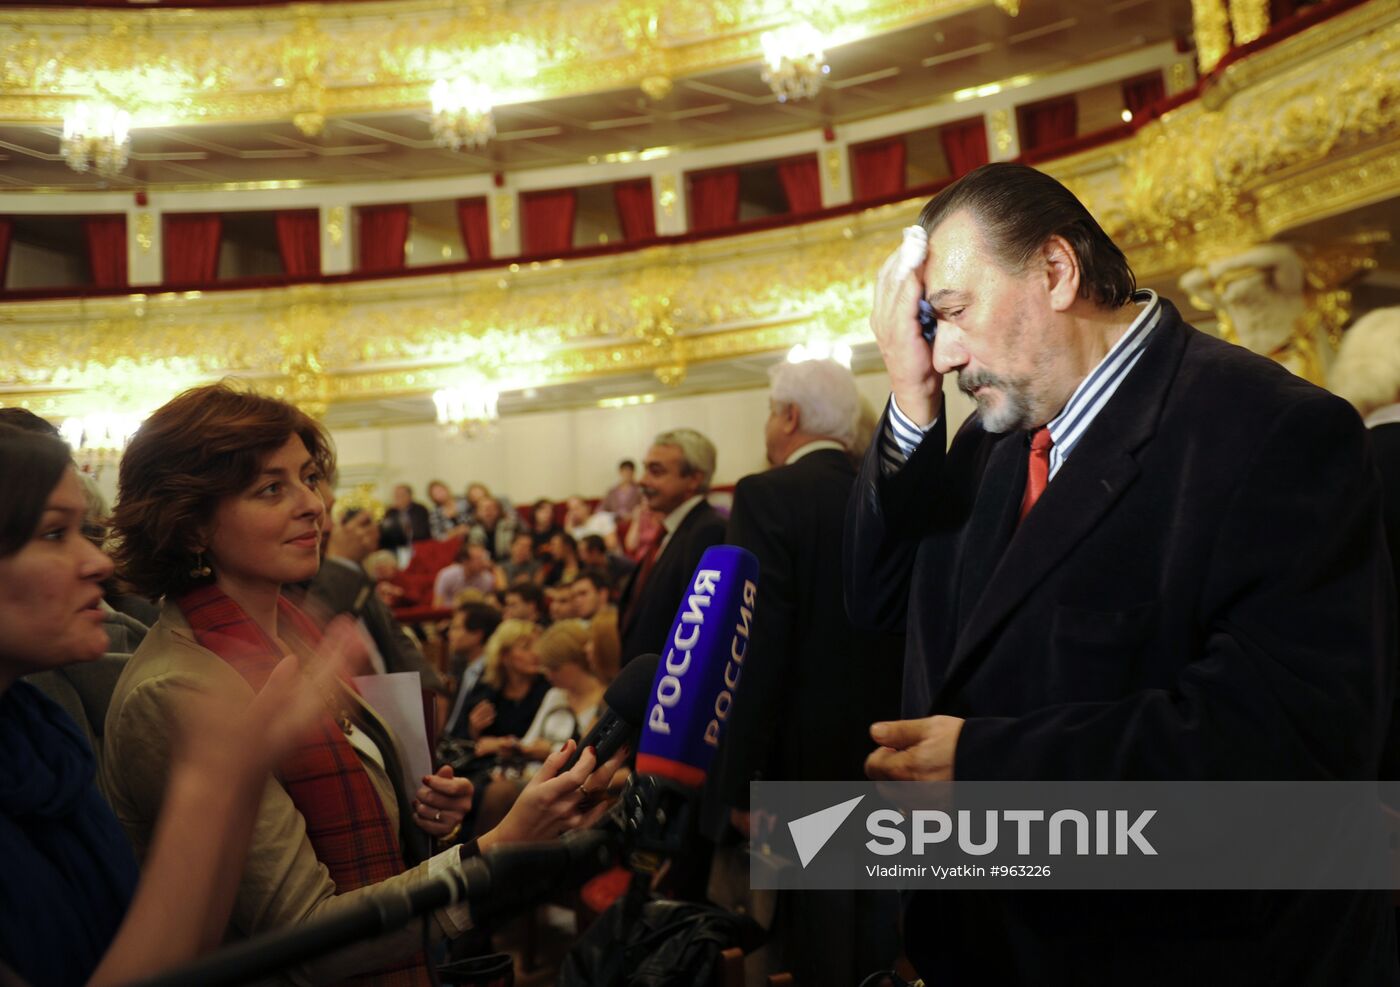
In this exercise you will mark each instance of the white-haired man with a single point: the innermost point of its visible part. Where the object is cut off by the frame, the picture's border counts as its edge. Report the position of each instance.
(676, 475)
(803, 714)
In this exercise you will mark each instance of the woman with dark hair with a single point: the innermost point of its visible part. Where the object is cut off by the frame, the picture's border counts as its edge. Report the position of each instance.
(542, 524)
(76, 910)
(218, 509)
(447, 517)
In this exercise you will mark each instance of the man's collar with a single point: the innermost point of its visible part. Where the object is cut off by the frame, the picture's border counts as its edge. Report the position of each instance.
(816, 445)
(1387, 415)
(671, 521)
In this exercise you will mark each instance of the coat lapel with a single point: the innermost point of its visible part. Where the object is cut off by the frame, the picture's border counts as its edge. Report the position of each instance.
(1102, 467)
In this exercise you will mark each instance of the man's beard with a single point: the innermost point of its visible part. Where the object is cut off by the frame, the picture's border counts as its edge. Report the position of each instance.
(1013, 412)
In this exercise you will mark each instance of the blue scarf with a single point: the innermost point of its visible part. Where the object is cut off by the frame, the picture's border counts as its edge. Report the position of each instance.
(67, 873)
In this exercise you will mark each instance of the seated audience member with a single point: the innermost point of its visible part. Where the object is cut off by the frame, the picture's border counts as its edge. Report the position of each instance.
(593, 553)
(543, 527)
(405, 522)
(590, 593)
(472, 626)
(580, 522)
(472, 570)
(624, 497)
(644, 531)
(604, 647)
(341, 585)
(563, 566)
(493, 528)
(448, 516)
(219, 508)
(476, 492)
(522, 564)
(561, 603)
(76, 909)
(525, 601)
(567, 710)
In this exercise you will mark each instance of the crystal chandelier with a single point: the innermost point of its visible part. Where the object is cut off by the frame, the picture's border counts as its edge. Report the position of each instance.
(100, 435)
(795, 62)
(466, 411)
(97, 137)
(461, 114)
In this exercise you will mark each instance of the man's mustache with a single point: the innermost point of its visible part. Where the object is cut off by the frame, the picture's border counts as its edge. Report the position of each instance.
(970, 381)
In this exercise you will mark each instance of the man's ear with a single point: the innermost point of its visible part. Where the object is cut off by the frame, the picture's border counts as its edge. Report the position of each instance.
(792, 418)
(1061, 272)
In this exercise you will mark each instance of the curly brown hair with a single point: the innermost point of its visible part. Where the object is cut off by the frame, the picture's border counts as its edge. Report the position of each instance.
(202, 446)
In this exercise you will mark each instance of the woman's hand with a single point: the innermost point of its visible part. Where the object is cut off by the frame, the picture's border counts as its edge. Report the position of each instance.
(441, 804)
(494, 745)
(554, 803)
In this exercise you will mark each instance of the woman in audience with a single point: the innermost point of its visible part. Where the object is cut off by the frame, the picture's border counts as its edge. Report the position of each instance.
(75, 908)
(563, 567)
(218, 509)
(447, 518)
(503, 705)
(566, 711)
(542, 524)
(604, 646)
(575, 695)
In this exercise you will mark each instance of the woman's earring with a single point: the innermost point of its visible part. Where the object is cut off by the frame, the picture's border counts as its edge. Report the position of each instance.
(201, 568)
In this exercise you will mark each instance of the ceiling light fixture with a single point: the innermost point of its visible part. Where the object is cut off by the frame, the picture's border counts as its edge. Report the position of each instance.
(461, 113)
(795, 61)
(467, 411)
(96, 137)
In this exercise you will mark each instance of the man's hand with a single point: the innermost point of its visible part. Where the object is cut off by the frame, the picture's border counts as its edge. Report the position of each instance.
(914, 750)
(894, 319)
(354, 539)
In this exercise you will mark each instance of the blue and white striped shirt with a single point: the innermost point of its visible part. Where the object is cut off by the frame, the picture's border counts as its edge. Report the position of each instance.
(902, 436)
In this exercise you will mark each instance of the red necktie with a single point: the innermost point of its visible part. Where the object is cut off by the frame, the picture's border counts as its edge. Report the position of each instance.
(1037, 469)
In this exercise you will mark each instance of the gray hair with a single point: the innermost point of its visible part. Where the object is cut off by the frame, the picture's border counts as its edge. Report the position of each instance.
(697, 452)
(825, 395)
(1367, 369)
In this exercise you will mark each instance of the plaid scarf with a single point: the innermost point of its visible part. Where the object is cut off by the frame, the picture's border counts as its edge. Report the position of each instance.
(345, 818)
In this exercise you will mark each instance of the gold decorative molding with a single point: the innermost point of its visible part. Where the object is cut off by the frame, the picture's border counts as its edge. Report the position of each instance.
(1198, 184)
(335, 225)
(307, 61)
(1249, 19)
(667, 196)
(832, 159)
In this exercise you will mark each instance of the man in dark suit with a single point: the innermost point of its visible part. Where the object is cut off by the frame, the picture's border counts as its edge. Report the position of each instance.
(812, 684)
(406, 522)
(1150, 555)
(675, 477)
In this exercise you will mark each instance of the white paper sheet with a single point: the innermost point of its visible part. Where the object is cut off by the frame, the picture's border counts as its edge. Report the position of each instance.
(398, 699)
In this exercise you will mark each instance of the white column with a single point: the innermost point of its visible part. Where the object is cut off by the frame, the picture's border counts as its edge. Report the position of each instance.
(143, 246)
(668, 190)
(503, 209)
(335, 239)
(833, 160)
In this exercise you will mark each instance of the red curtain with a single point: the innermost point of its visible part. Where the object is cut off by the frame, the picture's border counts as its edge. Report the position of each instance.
(106, 246)
(714, 200)
(6, 228)
(383, 233)
(1048, 123)
(964, 145)
(190, 244)
(475, 222)
(547, 221)
(634, 209)
(802, 184)
(1139, 94)
(878, 168)
(299, 242)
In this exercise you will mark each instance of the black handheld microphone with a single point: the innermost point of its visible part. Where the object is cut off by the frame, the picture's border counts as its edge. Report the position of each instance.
(626, 700)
